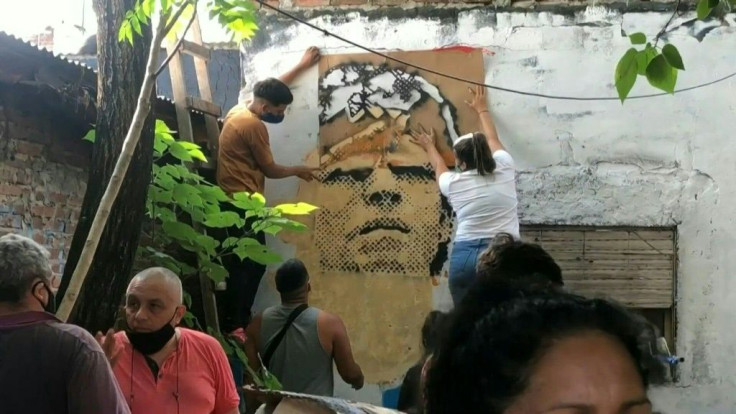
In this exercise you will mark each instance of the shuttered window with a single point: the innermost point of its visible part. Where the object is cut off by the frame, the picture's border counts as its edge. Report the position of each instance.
(634, 266)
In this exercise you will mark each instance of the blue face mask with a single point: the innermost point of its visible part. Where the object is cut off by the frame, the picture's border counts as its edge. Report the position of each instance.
(272, 118)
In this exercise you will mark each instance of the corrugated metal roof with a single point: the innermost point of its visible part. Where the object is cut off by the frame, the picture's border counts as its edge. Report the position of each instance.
(20, 46)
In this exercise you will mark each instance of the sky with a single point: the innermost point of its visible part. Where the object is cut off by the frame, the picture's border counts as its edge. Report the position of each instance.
(73, 20)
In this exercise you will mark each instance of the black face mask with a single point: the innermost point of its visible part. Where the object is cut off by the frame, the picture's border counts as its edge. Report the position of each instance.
(50, 305)
(148, 343)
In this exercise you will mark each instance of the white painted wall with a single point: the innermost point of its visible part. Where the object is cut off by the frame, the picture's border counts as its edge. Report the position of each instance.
(662, 161)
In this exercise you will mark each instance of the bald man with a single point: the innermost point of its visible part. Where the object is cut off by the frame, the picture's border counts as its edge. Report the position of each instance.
(160, 367)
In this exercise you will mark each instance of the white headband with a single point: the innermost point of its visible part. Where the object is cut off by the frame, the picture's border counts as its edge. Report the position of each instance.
(462, 138)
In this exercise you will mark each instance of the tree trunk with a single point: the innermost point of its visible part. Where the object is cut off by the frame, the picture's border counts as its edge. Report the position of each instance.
(120, 76)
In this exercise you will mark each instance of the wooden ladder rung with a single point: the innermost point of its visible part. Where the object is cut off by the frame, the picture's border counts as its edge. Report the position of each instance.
(195, 49)
(203, 106)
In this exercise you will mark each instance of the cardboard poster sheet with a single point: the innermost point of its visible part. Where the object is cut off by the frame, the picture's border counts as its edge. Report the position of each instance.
(382, 230)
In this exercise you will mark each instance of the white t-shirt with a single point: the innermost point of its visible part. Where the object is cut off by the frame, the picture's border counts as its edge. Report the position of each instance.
(485, 205)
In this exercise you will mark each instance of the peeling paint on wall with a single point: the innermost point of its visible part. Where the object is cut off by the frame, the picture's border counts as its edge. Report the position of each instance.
(664, 161)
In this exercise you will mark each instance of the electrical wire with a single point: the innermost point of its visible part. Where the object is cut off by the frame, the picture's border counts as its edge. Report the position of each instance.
(494, 87)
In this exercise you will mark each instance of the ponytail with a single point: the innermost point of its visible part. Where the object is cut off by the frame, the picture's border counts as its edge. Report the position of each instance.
(476, 154)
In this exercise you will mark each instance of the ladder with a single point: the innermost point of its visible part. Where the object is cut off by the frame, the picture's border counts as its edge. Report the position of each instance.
(183, 102)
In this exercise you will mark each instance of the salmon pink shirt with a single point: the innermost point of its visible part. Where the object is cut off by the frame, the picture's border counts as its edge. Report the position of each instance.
(199, 365)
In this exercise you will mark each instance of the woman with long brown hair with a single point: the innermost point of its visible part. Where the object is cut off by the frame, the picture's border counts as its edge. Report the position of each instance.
(482, 192)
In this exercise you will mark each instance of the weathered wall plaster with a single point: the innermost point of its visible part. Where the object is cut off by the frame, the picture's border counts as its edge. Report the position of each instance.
(662, 161)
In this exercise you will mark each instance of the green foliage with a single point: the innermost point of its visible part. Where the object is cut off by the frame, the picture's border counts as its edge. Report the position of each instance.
(91, 136)
(263, 380)
(659, 66)
(186, 209)
(705, 8)
(661, 74)
(626, 72)
(638, 38)
(237, 17)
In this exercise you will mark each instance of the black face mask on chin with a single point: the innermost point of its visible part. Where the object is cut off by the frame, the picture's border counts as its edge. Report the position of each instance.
(148, 343)
(50, 305)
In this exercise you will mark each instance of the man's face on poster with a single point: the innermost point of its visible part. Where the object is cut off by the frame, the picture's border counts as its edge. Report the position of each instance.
(382, 213)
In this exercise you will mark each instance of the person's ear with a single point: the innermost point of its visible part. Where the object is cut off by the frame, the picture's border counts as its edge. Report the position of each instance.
(181, 310)
(38, 290)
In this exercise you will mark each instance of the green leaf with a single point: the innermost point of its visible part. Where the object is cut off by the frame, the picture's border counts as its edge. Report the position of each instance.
(272, 230)
(164, 214)
(643, 57)
(223, 220)
(298, 209)
(165, 181)
(245, 201)
(180, 231)
(208, 244)
(661, 75)
(159, 195)
(212, 192)
(260, 254)
(187, 299)
(126, 33)
(148, 6)
(626, 71)
(90, 136)
(179, 152)
(159, 147)
(171, 170)
(247, 242)
(215, 271)
(704, 9)
(136, 25)
(638, 38)
(187, 195)
(670, 52)
(286, 224)
(198, 154)
(161, 128)
(229, 242)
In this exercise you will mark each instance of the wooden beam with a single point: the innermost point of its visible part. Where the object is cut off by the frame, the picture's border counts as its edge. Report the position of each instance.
(203, 106)
(196, 50)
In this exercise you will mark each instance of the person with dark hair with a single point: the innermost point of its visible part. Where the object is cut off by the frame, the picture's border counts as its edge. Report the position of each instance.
(527, 263)
(410, 400)
(482, 193)
(244, 161)
(534, 352)
(46, 366)
(297, 342)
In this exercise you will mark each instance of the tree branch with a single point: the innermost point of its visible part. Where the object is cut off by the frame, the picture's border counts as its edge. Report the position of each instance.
(177, 15)
(142, 111)
(177, 46)
(664, 29)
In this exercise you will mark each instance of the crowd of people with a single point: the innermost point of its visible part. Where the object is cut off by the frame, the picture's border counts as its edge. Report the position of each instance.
(515, 342)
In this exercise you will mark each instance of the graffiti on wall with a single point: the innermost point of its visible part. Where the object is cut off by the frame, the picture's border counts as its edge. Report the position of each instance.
(382, 228)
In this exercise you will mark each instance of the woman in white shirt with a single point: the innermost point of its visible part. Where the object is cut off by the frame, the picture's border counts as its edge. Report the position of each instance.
(482, 192)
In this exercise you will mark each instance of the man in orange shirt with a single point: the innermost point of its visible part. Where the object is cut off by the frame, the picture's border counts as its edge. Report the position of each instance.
(162, 368)
(244, 161)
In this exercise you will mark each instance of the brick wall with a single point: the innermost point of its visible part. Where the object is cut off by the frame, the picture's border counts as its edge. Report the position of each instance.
(41, 189)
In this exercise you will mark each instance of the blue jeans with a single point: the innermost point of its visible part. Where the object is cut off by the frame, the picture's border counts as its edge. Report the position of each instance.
(463, 260)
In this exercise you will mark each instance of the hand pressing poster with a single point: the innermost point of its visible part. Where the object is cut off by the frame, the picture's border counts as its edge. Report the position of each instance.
(383, 229)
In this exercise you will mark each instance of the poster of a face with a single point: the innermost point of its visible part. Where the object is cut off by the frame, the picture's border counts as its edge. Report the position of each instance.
(382, 229)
